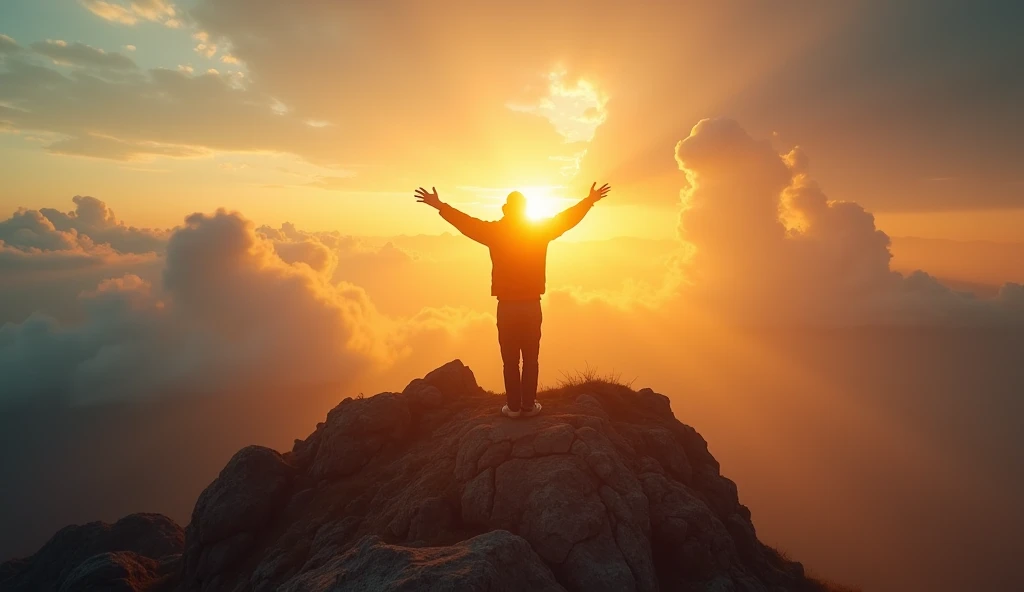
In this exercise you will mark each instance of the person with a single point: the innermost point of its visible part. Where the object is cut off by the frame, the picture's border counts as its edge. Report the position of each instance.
(518, 248)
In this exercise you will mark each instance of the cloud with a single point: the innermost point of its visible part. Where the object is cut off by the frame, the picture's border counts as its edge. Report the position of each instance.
(111, 12)
(79, 54)
(93, 218)
(306, 56)
(762, 245)
(204, 47)
(106, 147)
(480, 132)
(130, 13)
(233, 306)
(8, 45)
(330, 253)
(231, 312)
(163, 113)
(770, 247)
(91, 227)
(47, 256)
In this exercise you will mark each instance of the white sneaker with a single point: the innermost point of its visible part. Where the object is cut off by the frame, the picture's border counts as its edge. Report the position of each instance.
(509, 413)
(536, 409)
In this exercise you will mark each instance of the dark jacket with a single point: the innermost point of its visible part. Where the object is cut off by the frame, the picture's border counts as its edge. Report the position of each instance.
(518, 250)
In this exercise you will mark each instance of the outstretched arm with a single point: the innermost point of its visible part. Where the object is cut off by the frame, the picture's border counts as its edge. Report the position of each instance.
(572, 216)
(473, 228)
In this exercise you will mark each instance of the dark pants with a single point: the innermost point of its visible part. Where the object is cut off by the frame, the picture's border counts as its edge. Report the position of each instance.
(519, 333)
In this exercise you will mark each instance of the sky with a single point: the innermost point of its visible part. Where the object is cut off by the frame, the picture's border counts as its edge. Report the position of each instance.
(812, 244)
(321, 113)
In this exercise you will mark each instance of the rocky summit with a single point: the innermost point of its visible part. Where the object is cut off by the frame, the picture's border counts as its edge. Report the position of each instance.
(432, 489)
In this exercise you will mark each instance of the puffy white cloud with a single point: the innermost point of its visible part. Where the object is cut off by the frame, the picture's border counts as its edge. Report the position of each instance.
(47, 257)
(91, 227)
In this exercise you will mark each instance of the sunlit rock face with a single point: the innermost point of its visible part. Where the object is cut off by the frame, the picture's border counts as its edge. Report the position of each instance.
(432, 489)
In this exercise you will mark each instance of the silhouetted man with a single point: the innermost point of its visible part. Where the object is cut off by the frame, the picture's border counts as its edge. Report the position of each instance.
(519, 248)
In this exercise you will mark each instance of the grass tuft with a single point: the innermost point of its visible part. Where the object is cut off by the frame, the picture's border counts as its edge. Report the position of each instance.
(590, 376)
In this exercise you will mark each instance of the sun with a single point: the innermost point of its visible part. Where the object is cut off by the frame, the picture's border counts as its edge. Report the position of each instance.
(541, 201)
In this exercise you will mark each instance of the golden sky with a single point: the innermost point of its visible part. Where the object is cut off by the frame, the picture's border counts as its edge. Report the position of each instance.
(324, 114)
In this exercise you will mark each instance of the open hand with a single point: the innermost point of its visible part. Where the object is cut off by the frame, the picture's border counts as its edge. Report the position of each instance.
(599, 192)
(431, 199)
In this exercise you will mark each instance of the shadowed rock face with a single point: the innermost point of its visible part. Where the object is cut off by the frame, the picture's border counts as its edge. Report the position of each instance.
(432, 489)
(138, 552)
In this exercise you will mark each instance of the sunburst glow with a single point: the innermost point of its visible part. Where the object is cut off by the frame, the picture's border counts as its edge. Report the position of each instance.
(542, 201)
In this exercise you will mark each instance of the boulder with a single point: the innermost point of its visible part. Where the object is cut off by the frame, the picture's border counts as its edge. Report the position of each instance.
(355, 432)
(453, 379)
(120, 571)
(243, 496)
(233, 509)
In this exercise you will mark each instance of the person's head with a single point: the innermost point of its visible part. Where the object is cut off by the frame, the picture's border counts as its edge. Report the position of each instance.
(515, 206)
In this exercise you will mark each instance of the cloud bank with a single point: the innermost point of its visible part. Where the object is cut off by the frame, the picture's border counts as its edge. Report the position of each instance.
(770, 247)
(231, 312)
(232, 304)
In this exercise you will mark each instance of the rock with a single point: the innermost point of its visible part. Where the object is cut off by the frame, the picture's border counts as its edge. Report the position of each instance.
(494, 455)
(551, 501)
(596, 564)
(496, 561)
(691, 539)
(329, 540)
(222, 554)
(423, 395)
(555, 440)
(237, 505)
(243, 496)
(120, 571)
(590, 405)
(544, 440)
(661, 444)
(453, 379)
(354, 433)
(605, 490)
(472, 446)
(433, 516)
(478, 498)
(656, 402)
(78, 556)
